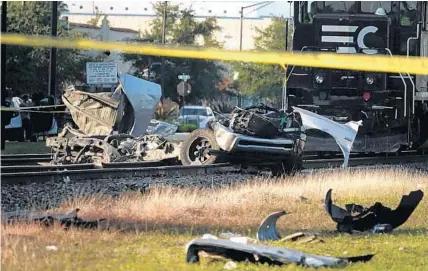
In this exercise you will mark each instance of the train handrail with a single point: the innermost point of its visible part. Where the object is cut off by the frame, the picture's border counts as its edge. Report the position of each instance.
(418, 29)
(284, 89)
(405, 86)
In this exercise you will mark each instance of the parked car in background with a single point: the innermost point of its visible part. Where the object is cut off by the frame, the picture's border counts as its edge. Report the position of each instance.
(42, 125)
(14, 131)
(196, 115)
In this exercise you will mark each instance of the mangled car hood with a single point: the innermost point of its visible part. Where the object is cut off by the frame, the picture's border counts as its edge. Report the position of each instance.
(263, 254)
(344, 134)
(128, 109)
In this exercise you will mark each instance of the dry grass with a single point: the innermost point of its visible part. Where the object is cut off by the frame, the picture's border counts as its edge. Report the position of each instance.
(187, 213)
(244, 206)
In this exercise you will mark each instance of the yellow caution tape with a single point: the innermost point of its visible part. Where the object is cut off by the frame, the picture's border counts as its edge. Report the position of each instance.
(38, 107)
(24, 110)
(396, 64)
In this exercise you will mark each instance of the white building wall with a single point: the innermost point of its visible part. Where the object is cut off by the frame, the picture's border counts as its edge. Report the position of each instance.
(139, 15)
(113, 36)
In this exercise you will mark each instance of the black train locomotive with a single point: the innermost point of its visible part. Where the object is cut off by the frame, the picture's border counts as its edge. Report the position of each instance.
(393, 107)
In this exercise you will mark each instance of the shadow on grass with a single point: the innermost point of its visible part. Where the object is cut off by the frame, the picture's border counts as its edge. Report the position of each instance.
(130, 226)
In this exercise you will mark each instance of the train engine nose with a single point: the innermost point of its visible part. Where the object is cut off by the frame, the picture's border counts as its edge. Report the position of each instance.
(350, 34)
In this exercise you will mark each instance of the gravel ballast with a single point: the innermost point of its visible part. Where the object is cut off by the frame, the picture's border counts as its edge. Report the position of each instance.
(47, 195)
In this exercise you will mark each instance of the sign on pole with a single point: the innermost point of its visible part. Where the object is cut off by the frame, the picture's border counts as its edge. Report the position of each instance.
(101, 73)
(184, 89)
(184, 77)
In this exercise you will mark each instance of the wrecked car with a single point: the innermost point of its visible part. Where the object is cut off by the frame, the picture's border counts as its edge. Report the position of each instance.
(377, 218)
(263, 137)
(114, 126)
(258, 136)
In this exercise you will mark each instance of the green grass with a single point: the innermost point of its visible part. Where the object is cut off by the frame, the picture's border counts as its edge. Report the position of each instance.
(86, 250)
(25, 148)
(150, 231)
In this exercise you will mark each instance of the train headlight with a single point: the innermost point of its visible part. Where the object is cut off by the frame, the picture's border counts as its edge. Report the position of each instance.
(369, 80)
(319, 79)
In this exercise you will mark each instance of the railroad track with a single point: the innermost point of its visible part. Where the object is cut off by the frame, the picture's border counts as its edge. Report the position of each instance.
(45, 158)
(25, 159)
(33, 173)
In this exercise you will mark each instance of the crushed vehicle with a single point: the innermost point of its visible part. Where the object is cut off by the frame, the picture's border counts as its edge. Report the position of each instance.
(264, 254)
(114, 126)
(263, 137)
(257, 136)
(377, 218)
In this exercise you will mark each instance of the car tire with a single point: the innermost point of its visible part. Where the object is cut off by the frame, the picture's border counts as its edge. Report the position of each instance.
(193, 150)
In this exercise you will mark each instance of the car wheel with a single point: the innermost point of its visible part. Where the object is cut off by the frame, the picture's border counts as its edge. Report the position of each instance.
(194, 150)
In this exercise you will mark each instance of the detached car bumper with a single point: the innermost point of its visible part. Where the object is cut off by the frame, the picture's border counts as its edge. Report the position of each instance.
(232, 142)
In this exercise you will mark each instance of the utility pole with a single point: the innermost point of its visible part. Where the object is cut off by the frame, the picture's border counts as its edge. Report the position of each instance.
(287, 26)
(52, 62)
(241, 29)
(3, 72)
(286, 34)
(165, 4)
(240, 32)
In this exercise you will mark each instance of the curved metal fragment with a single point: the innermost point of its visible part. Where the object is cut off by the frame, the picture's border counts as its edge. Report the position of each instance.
(336, 213)
(267, 230)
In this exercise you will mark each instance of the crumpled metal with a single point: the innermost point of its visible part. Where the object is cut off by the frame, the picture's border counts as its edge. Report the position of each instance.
(267, 230)
(263, 254)
(161, 128)
(65, 220)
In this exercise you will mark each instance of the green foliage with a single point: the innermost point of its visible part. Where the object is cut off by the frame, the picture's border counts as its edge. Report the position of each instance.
(95, 20)
(186, 128)
(264, 80)
(28, 67)
(183, 29)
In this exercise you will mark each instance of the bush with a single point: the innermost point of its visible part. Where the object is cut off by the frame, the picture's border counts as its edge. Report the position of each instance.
(186, 128)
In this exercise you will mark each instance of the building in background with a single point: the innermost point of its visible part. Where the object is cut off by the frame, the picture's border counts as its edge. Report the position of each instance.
(139, 15)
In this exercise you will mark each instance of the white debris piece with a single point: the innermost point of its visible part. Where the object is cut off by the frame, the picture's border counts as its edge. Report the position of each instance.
(53, 248)
(227, 235)
(344, 134)
(230, 265)
(243, 240)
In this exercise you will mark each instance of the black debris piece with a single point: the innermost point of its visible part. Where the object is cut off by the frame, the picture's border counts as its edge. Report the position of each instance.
(377, 218)
(263, 254)
(65, 220)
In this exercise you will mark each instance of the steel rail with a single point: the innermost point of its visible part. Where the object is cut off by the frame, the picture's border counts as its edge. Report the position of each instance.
(35, 159)
(31, 174)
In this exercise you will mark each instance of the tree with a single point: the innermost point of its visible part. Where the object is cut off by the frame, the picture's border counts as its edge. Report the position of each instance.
(261, 80)
(181, 28)
(28, 67)
(95, 20)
